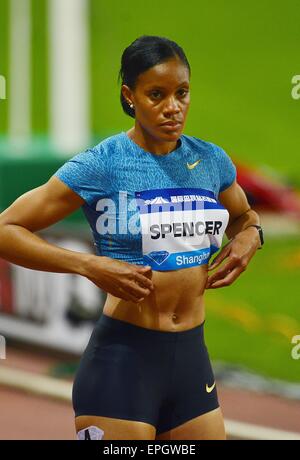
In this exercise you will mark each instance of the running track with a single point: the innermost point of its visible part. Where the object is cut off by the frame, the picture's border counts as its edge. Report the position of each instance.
(25, 415)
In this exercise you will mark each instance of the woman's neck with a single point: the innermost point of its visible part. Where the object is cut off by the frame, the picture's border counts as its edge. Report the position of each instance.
(149, 143)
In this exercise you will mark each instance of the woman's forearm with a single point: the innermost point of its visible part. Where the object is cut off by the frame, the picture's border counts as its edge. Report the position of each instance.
(22, 247)
(248, 218)
(119, 278)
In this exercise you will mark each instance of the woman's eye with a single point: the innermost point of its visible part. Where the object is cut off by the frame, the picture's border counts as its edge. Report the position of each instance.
(183, 92)
(155, 94)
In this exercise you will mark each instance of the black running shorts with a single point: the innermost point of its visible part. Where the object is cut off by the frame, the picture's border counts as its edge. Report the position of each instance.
(129, 372)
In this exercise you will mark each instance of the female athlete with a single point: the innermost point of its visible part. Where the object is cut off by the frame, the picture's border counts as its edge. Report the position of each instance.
(158, 203)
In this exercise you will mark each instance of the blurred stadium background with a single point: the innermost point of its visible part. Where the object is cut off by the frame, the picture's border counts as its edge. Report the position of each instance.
(59, 61)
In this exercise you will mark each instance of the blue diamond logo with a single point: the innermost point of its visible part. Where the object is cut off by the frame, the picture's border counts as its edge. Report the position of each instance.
(158, 256)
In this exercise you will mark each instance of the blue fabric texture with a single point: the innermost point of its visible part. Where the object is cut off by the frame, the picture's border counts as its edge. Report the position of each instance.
(108, 176)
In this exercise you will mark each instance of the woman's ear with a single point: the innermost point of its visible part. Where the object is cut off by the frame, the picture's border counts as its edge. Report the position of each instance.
(127, 94)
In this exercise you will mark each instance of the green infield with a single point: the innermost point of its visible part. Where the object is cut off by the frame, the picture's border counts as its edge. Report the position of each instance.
(243, 58)
(252, 322)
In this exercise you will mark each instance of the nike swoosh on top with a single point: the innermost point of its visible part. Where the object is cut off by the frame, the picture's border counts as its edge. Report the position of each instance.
(210, 389)
(193, 165)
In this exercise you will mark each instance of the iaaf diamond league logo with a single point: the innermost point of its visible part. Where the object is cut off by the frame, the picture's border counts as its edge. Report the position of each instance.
(2, 87)
(127, 220)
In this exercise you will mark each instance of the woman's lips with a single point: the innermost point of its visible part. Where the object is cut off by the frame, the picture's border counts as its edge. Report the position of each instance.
(171, 126)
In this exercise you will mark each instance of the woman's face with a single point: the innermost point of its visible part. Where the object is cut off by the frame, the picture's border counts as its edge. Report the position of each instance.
(161, 95)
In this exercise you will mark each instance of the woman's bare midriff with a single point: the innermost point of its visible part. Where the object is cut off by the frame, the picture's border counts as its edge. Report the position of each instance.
(176, 304)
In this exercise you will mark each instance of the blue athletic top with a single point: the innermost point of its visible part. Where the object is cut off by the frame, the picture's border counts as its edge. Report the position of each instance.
(149, 209)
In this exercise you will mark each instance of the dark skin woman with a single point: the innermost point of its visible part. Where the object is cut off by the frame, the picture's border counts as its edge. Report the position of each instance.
(137, 294)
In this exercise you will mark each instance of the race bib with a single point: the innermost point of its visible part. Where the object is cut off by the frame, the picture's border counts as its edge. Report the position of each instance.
(181, 227)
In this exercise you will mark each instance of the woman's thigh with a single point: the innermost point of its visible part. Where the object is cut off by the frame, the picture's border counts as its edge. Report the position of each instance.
(209, 426)
(113, 428)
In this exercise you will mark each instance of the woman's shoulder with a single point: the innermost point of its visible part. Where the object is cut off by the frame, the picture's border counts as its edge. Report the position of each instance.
(103, 152)
(108, 143)
(203, 145)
